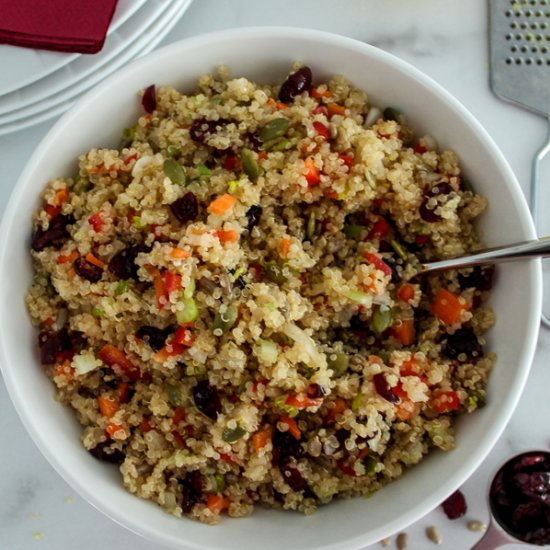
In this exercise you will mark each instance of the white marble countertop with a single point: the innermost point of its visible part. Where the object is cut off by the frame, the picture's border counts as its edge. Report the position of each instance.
(448, 40)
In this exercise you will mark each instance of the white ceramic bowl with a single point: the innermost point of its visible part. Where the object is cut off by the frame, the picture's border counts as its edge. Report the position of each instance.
(266, 55)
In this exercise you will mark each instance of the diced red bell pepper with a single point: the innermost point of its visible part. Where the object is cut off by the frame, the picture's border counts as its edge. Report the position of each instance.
(321, 129)
(421, 239)
(377, 262)
(445, 401)
(302, 401)
(184, 337)
(312, 174)
(347, 159)
(231, 163)
(172, 282)
(112, 356)
(380, 229)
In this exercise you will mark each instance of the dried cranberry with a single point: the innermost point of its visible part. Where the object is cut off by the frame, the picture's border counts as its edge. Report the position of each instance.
(315, 391)
(155, 337)
(53, 343)
(207, 399)
(122, 265)
(383, 388)
(293, 477)
(535, 485)
(191, 490)
(428, 214)
(463, 342)
(56, 234)
(87, 270)
(202, 129)
(480, 278)
(253, 214)
(286, 447)
(455, 506)
(186, 209)
(440, 188)
(528, 462)
(104, 451)
(297, 83)
(149, 99)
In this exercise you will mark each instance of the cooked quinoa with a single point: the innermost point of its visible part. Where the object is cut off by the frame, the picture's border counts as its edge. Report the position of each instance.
(226, 299)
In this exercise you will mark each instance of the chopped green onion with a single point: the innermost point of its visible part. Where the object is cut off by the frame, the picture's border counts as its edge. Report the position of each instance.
(359, 297)
(203, 170)
(99, 313)
(174, 171)
(233, 434)
(220, 482)
(250, 166)
(190, 289)
(399, 249)
(289, 409)
(224, 321)
(237, 273)
(310, 229)
(189, 313)
(381, 319)
(352, 231)
(121, 287)
(136, 220)
(232, 185)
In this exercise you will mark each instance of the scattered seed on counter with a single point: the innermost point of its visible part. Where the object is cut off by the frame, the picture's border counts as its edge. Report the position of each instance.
(476, 526)
(401, 541)
(433, 534)
(385, 542)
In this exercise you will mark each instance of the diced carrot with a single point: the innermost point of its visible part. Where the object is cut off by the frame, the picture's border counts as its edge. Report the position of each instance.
(405, 408)
(112, 356)
(406, 292)
(262, 155)
(131, 157)
(70, 258)
(145, 425)
(116, 430)
(95, 261)
(335, 109)
(377, 262)
(179, 415)
(445, 401)
(292, 426)
(330, 194)
(301, 401)
(340, 405)
(168, 351)
(228, 236)
(123, 392)
(318, 93)
(261, 438)
(311, 173)
(217, 503)
(65, 369)
(410, 367)
(280, 105)
(222, 204)
(179, 253)
(61, 196)
(284, 247)
(403, 331)
(321, 129)
(108, 405)
(270, 101)
(96, 221)
(448, 307)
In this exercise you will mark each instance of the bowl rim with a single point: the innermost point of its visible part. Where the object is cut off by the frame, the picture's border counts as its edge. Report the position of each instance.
(260, 32)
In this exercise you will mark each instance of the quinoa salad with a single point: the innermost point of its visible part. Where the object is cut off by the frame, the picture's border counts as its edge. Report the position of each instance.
(228, 301)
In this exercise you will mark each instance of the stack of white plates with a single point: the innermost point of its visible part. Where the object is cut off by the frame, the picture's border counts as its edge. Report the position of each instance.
(37, 85)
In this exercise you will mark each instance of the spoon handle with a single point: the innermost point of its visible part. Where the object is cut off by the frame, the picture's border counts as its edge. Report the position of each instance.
(520, 251)
(493, 538)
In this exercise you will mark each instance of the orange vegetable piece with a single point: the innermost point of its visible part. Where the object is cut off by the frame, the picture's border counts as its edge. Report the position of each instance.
(447, 306)
(145, 425)
(95, 261)
(112, 356)
(179, 415)
(262, 438)
(292, 426)
(222, 204)
(284, 247)
(217, 503)
(179, 253)
(228, 236)
(445, 401)
(335, 109)
(340, 405)
(61, 196)
(312, 174)
(123, 392)
(113, 430)
(302, 401)
(62, 259)
(406, 292)
(108, 405)
(404, 332)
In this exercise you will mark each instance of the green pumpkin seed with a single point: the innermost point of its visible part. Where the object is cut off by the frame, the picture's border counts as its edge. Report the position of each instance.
(275, 128)
(310, 229)
(224, 321)
(189, 313)
(233, 434)
(250, 166)
(274, 272)
(174, 170)
(381, 319)
(338, 362)
(174, 395)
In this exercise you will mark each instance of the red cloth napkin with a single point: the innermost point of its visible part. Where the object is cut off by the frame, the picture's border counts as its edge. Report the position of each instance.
(59, 25)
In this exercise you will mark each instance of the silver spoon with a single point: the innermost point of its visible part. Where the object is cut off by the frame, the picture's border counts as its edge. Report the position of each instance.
(510, 496)
(539, 248)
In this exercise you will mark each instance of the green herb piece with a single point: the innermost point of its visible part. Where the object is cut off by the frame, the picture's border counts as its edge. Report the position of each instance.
(203, 170)
(220, 482)
(400, 250)
(381, 319)
(189, 313)
(274, 272)
(359, 297)
(224, 321)
(99, 313)
(174, 395)
(310, 229)
(121, 287)
(352, 231)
